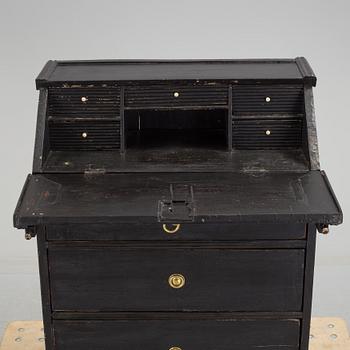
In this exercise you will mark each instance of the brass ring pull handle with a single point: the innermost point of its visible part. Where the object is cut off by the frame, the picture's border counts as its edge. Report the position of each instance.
(175, 348)
(174, 229)
(176, 280)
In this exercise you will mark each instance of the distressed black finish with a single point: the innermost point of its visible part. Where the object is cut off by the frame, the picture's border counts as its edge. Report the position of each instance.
(146, 169)
(267, 70)
(123, 198)
(216, 279)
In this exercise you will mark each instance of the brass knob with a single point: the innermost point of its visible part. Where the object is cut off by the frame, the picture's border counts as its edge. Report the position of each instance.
(174, 229)
(176, 280)
(175, 348)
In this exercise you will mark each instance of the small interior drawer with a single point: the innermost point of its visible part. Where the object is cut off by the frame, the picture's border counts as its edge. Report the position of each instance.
(173, 232)
(104, 277)
(176, 95)
(83, 102)
(177, 334)
(271, 133)
(91, 134)
(268, 99)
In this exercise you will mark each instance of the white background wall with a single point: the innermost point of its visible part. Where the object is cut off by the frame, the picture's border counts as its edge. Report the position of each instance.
(31, 32)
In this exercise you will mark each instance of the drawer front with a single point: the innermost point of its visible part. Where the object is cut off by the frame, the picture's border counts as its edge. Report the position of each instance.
(177, 334)
(84, 102)
(169, 232)
(84, 134)
(107, 278)
(176, 95)
(258, 133)
(267, 99)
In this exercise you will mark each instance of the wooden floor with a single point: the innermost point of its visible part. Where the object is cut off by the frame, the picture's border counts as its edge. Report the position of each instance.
(327, 333)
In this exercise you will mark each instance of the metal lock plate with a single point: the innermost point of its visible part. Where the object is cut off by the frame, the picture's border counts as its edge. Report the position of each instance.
(179, 207)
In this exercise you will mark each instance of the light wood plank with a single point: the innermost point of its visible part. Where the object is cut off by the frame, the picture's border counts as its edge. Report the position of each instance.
(327, 333)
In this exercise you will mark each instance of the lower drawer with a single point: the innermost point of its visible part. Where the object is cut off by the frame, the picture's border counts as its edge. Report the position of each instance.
(224, 334)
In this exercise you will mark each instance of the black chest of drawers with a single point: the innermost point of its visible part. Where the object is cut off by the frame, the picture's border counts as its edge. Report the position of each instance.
(176, 204)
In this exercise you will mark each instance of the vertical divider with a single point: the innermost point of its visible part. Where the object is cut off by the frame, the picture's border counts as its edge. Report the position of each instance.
(122, 124)
(229, 119)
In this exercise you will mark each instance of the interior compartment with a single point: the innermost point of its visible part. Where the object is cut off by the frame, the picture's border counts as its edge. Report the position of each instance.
(176, 128)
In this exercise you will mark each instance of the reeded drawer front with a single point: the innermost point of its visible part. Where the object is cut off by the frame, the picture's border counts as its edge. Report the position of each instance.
(78, 134)
(176, 95)
(177, 334)
(267, 99)
(267, 133)
(107, 278)
(181, 232)
(84, 102)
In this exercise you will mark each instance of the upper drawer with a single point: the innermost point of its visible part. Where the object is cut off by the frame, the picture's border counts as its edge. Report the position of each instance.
(84, 102)
(171, 232)
(112, 278)
(267, 99)
(176, 96)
